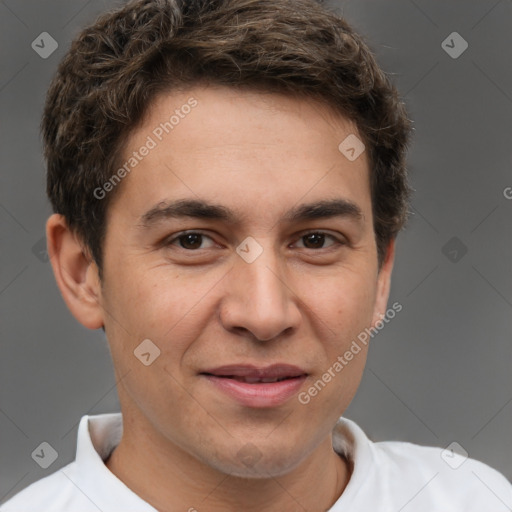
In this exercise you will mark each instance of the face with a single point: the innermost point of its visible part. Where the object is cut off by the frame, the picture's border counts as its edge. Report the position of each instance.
(242, 246)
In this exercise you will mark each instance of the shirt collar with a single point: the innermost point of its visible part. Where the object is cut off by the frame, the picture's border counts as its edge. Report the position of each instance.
(98, 435)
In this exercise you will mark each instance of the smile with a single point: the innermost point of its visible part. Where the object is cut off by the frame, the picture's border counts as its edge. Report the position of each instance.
(256, 387)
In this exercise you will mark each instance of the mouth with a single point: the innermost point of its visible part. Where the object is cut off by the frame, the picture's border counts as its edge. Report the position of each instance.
(253, 380)
(255, 386)
(253, 374)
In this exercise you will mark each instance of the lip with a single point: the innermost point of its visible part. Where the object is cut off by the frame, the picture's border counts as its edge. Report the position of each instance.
(227, 379)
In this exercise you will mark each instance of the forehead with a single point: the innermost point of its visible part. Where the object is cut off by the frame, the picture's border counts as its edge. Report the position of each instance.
(242, 147)
(219, 106)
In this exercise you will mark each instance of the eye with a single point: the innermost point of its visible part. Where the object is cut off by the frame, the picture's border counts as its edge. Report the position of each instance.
(317, 240)
(191, 240)
(196, 240)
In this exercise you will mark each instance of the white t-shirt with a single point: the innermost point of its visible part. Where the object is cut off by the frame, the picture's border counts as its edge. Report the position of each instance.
(386, 477)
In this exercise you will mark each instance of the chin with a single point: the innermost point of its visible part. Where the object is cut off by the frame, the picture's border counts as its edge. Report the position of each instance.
(252, 462)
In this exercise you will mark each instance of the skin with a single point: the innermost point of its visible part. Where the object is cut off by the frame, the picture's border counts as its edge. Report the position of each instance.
(259, 155)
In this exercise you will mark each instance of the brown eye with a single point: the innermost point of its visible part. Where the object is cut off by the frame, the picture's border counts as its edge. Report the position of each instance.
(314, 240)
(317, 240)
(190, 241)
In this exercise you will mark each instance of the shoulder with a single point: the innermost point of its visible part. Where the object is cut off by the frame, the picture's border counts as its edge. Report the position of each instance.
(441, 477)
(53, 493)
(406, 476)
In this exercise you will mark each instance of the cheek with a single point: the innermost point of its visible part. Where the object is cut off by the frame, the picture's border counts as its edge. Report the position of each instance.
(343, 301)
(161, 304)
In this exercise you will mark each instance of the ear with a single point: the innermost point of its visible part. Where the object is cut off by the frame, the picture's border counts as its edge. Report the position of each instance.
(75, 272)
(384, 283)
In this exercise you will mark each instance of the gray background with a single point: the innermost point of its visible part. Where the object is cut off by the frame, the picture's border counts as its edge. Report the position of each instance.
(439, 372)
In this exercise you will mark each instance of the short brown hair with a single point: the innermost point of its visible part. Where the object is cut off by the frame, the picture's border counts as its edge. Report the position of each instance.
(115, 67)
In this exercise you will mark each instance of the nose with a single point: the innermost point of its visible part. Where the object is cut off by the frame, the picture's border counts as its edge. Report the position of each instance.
(259, 299)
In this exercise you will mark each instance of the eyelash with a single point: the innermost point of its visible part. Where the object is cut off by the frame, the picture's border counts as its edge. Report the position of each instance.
(176, 238)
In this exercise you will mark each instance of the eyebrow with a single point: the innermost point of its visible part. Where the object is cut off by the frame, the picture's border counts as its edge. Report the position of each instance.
(199, 209)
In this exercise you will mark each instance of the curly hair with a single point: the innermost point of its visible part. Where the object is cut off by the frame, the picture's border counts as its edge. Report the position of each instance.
(117, 66)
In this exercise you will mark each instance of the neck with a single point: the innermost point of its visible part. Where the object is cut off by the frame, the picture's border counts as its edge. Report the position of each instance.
(172, 480)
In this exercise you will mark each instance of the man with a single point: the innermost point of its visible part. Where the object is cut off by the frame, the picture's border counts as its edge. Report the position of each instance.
(228, 180)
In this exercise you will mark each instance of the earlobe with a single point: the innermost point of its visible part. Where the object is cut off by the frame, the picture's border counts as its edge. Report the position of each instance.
(384, 283)
(75, 272)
